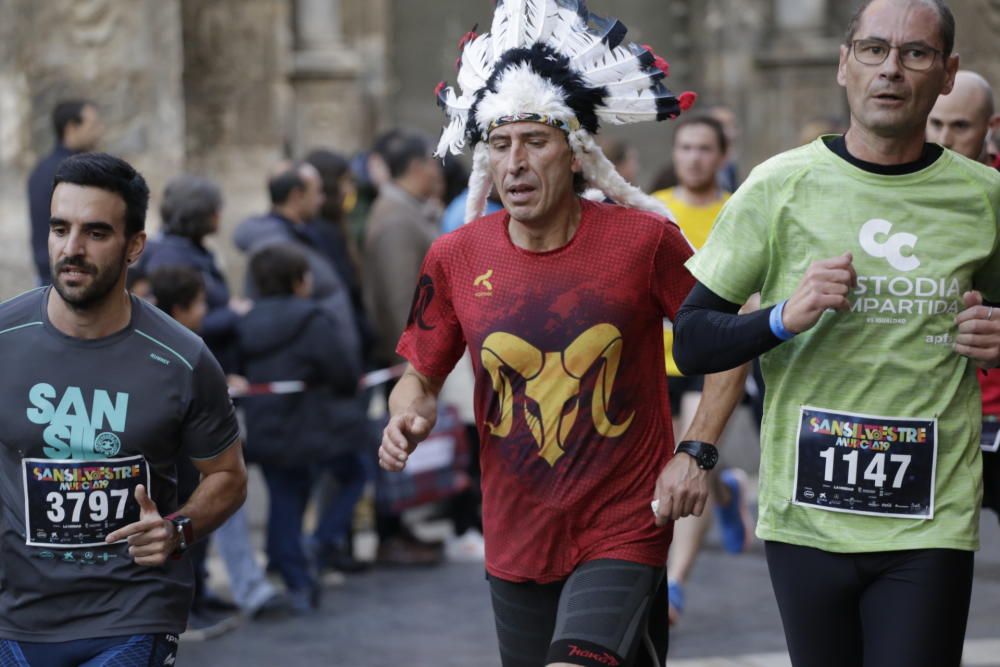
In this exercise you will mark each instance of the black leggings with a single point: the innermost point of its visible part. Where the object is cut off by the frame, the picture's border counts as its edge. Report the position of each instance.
(884, 609)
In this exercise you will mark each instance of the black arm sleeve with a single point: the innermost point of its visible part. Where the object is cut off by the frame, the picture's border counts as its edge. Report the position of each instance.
(710, 336)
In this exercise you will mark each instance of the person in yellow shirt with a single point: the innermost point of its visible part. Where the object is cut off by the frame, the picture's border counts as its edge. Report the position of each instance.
(700, 150)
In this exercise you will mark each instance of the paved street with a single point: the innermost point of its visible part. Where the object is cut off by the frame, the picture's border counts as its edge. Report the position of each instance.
(441, 617)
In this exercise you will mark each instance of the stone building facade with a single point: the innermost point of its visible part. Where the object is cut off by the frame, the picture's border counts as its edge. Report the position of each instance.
(225, 88)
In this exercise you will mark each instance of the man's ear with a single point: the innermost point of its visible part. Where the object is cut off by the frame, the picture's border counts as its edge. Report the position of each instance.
(842, 65)
(136, 244)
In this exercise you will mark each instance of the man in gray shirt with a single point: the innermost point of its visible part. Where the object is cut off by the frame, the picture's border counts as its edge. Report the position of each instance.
(103, 396)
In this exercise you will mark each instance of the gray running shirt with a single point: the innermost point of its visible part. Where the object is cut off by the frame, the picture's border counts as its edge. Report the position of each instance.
(82, 422)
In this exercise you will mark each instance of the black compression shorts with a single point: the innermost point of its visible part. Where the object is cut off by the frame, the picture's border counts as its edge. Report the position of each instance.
(608, 613)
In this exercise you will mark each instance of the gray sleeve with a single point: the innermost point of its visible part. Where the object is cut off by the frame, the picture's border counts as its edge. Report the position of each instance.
(210, 422)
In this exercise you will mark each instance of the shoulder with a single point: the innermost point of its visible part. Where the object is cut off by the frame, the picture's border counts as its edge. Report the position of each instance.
(783, 167)
(640, 226)
(976, 174)
(175, 342)
(22, 311)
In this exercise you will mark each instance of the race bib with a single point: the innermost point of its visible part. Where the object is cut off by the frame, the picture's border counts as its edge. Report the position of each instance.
(990, 438)
(69, 504)
(862, 464)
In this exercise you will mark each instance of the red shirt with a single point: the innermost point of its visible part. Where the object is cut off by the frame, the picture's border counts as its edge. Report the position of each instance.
(990, 383)
(570, 394)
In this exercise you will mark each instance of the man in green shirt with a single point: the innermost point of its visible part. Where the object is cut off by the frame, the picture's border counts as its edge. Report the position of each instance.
(876, 255)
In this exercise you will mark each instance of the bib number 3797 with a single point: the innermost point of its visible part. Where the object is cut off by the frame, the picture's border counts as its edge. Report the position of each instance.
(70, 504)
(863, 464)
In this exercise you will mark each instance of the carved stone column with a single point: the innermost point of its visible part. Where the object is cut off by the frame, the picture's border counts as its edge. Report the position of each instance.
(325, 79)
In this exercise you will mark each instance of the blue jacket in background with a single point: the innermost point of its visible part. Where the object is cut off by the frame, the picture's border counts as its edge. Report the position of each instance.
(219, 328)
(39, 207)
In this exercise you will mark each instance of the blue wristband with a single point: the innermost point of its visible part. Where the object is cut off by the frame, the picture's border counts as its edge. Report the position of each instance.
(777, 328)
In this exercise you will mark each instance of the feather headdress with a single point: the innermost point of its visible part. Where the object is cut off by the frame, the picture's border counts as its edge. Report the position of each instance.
(555, 62)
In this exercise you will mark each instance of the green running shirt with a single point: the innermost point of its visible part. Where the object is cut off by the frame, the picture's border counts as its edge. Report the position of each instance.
(871, 420)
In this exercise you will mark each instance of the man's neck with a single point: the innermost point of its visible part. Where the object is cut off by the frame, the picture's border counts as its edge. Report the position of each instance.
(97, 321)
(869, 147)
(558, 232)
(702, 197)
(288, 213)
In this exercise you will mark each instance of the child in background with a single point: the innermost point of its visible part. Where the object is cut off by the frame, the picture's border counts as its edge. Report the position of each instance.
(298, 437)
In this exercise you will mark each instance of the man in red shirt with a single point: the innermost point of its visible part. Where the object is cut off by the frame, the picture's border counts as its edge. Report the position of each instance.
(561, 302)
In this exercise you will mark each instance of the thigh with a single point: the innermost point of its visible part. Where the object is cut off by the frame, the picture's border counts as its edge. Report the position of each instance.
(915, 610)
(818, 595)
(525, 615)
(604, 616)
(134, 651)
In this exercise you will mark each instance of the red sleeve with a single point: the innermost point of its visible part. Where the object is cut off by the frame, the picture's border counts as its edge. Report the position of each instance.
(670, 282)
(432, 341)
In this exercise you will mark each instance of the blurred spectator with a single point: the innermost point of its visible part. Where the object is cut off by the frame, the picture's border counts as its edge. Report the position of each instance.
(333, 236)
(191, 210)
(729, 177)
(287, 336)
(404, 221)
(963, 119)
(665, 178)
(78, 129)
(296, 191)
(624, 156)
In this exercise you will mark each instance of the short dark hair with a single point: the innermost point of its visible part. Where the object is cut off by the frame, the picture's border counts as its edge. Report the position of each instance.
(398, 148)
(332, 167)
(284, 183)
(708, 121)
(66, 112)
(188, 206)
(107, 172)
(175, 287)
(946, 22)
(277, 268)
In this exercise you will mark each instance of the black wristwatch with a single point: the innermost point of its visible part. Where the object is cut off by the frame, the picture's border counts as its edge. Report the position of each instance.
(185, 530)
(704, 453)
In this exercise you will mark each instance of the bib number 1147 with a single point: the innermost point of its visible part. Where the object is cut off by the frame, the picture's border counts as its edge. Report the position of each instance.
(874, 472)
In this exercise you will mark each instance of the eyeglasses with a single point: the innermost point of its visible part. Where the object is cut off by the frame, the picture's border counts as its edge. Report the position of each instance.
(915, 56)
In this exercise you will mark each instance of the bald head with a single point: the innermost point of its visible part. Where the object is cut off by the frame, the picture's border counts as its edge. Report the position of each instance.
(962, 119)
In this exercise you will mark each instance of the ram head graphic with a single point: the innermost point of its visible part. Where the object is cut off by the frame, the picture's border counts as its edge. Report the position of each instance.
(552, 385)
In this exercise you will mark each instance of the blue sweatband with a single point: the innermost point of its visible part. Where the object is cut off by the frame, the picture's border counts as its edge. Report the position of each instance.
(777, 328)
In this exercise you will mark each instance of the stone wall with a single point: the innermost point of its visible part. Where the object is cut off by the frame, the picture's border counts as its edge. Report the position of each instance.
(126, 57)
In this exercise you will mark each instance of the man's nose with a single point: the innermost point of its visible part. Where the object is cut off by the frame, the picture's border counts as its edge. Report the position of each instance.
(516, 158)
(74, 244)
(891, 67)
(946, 137)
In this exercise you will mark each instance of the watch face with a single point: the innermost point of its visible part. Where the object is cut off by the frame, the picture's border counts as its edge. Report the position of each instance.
(710, 458)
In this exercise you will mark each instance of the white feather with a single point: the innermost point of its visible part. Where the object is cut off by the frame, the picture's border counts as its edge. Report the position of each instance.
(520, 89)
(479, 183)
(600, 173)
(561, 19)
(477, 64)
(621, 64)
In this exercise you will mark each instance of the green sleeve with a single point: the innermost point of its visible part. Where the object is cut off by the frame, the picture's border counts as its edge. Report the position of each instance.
(987, 278)
(734, 260)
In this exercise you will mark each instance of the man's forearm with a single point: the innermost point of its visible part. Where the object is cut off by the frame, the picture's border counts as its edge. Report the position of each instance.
(719, 397)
